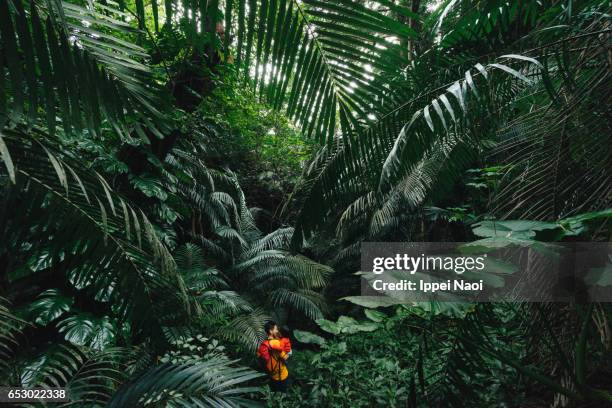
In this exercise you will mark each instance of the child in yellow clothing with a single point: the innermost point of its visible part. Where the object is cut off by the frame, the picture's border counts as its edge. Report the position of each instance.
(273, 352)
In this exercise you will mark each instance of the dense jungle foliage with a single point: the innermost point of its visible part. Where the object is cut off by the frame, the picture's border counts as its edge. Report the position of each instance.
(174, 173)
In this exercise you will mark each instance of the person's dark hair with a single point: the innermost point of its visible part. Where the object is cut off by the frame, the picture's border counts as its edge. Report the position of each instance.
(269, 326)
(285, 331)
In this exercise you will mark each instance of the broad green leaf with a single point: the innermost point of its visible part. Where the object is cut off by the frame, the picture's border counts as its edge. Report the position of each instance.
(328, 326)
(308, 337)
(578, 224)
(103, 335)
(519, 229)
(375, 315)
(50, 305)
(78, 329)
(371, 301)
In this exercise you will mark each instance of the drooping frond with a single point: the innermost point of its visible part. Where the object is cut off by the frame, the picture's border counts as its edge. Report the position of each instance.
(246, 329)
(328, 64)
(407, 149)
(213, 382)
(72, 62)
(279, 238)
(112, 249)
(10, 329)
(89, 377)
(310, 303)
(558, 156)
(224, 302)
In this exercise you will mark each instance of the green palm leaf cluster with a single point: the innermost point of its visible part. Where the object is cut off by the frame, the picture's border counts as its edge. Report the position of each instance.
(419, 148)
(535, 110)
(232, 269)
(110, 233)
(69, 62)
(89, 377)
(399, 162)
(206, 384)
(10, 330)
(329, 64)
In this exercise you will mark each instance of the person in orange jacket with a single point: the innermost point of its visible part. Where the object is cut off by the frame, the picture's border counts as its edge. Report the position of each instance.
(273, 352)
(286, 345)
(284, 339)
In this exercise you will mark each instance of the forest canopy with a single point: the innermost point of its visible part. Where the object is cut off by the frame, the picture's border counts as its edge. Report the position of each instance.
(176, 173)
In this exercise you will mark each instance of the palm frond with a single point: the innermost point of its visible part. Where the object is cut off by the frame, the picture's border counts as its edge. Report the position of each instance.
(277, 239)
(213, 382)
(89, 377)
(72, 62)
(112, 250)
(328, 64)
(246, 329)
(422, 147)
(310, 303)
(558, 155)
(10, 330)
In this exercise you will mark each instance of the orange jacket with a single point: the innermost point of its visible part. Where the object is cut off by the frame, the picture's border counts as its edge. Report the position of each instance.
(286, 344)
(273, 352)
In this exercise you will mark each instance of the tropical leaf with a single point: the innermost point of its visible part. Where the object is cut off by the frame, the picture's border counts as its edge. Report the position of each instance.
(427, 150)
(10, 331)
(73, 62)
(134, 271)
(89, 377)
(308, 337)
(328, 64)
(50, 305)
(208, 383)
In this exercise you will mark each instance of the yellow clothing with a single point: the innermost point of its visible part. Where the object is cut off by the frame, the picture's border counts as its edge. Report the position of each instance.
(275, 363)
